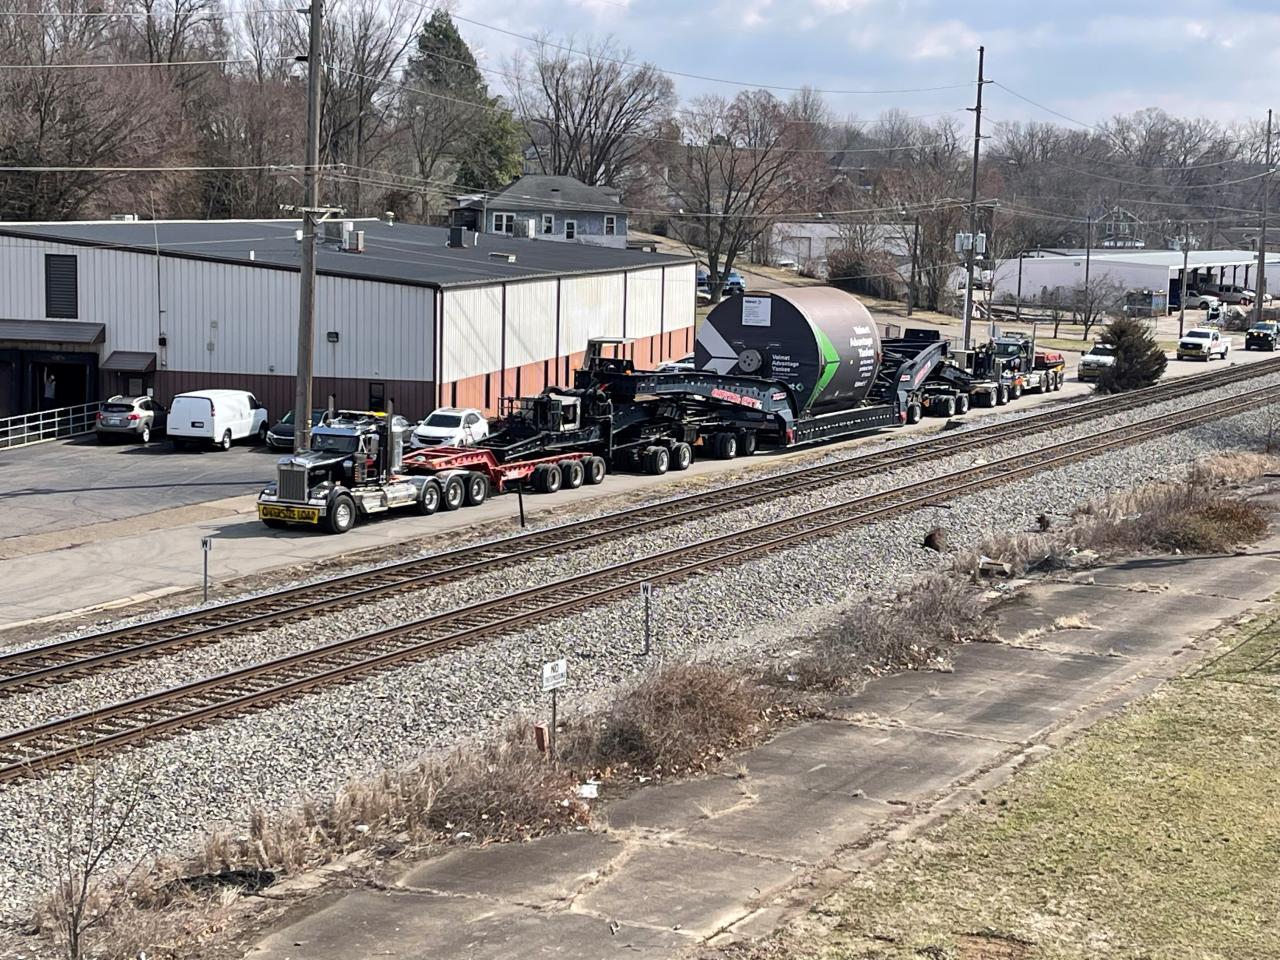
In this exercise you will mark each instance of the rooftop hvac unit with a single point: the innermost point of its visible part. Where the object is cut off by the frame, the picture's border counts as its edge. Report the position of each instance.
(461, 237)
(525, 227)
(353, 242)
(501, 255)
(332, 229)
(124, 217)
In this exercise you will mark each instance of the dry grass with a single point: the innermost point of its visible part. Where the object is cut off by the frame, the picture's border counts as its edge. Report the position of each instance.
(678, 719)
(904, 635)
(1232, 468)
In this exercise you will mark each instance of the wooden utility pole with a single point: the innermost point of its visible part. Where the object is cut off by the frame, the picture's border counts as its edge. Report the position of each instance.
(310, 210)
(973, 201)
(1260, 285)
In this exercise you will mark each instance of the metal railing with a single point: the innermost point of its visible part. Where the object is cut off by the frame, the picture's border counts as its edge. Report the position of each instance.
(48, 424)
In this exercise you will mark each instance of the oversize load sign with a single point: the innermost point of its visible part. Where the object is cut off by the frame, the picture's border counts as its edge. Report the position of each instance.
(757, 311)
(554, 675)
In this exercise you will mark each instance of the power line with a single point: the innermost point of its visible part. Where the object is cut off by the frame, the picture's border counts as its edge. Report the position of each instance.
(144, 63)
(279, 167)
(126, 14)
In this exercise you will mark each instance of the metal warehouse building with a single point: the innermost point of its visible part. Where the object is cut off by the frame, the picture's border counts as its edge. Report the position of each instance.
(92, 309)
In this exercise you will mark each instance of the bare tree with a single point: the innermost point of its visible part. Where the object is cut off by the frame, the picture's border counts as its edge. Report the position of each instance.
(587, 113)
(81, 854)
(737, 171)
(1092, 301)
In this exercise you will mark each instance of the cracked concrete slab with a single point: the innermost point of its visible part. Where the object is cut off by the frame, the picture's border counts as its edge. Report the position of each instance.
(674, 806)
(541, 872)
(418, 926)
(655, 892)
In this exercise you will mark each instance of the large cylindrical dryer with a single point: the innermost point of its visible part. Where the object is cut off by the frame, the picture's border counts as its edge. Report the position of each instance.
(820, 341)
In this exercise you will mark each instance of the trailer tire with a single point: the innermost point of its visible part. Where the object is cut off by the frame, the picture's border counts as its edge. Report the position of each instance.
(914, 412)
(477, 488)
(453, 492)
(747, 443)
(681, 456)
(551, 478)
(571, 474)
(725, 446)
(342, 514)
(962, 404)
(594, 471)
(657, 460)
(948, 406)
(1002, 395)
(429, 498)
(1015, 392)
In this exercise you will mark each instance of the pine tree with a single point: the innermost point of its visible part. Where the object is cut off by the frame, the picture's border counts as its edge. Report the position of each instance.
(492, 158)
(444, 60)
(1139, 361)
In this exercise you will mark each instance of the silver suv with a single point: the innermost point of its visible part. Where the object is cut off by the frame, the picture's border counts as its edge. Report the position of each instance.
(135, 418)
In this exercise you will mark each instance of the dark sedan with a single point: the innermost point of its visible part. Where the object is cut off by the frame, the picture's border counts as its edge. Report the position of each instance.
(280, 436)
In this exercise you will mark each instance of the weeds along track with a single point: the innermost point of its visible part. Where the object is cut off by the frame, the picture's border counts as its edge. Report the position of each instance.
(51, 663)
(70, 739)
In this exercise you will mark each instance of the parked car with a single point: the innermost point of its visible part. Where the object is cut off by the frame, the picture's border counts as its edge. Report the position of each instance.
(1203, 344)
(786, 263)
(734, 285)
(1262, 336)
(216, 418)
(131, 418)
(280, 434)
(1095, 361)
(677, 366)
(1201, 301)
(1231, 293)
(450, 427)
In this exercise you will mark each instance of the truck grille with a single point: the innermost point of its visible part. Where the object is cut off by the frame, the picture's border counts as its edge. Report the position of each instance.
(291, 482)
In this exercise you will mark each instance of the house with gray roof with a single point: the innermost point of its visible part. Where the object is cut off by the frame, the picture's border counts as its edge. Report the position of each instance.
(547, 208)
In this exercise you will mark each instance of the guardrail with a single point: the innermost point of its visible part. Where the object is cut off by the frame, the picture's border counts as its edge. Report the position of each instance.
(45, 425)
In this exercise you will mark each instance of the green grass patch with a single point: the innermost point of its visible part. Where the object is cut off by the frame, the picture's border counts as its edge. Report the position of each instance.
(1156, 835)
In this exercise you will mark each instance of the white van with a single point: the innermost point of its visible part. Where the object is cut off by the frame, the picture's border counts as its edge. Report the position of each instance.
(216, 417)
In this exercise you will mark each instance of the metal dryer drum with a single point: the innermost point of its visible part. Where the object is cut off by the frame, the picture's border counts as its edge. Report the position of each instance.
(820, 341)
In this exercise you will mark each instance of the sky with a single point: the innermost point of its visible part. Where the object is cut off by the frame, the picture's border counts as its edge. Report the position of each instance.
(1086, 59)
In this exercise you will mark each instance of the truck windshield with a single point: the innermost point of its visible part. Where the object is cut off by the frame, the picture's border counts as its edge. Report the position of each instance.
(1198, 335)
(1008, 349)
(1101, 351)
(335, 444)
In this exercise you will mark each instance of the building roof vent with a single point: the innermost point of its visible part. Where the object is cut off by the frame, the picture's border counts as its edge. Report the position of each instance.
(461, 237)
(502, 255)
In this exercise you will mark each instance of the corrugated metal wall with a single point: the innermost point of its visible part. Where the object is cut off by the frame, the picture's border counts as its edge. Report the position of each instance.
(531, 322)
(589, 307)
(644, 303)
(471, 332)
(681, 297)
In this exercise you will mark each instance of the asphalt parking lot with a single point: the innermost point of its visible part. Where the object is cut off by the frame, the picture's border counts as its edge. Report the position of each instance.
(56, 486)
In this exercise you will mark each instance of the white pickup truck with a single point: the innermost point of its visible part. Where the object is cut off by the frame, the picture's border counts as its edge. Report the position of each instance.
(1204, 344)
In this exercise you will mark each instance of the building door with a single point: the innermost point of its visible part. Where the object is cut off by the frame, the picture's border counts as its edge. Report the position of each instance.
(58, 380)
(10, 384)
(377, 396)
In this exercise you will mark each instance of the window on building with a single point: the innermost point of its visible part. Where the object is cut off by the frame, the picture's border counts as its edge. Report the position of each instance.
(61, 287)
(548, 223)
(610, 226)
(570, 229)
(504, 223)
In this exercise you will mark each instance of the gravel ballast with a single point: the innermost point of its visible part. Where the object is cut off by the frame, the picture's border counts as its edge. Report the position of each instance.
(312, 745)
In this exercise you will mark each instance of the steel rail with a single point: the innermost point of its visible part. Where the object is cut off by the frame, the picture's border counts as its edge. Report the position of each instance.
(69, 658)
(68, 739)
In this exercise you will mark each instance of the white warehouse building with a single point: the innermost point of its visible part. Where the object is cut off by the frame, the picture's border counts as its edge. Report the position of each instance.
(404, 312)
(1053, 274)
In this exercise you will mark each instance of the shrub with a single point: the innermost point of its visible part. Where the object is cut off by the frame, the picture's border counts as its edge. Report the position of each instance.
(1139, 361)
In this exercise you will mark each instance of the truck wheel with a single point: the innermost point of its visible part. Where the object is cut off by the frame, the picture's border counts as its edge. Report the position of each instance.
(571, 474)
(225, 442)
(1002, 395)
(551, 478)
(747, 445)
(595, 468)
(681, 456)
(342, 513)
(726, 446)
(962, 404)
(949, 406)
(1015, 392)
(914, 412)
(477, 491)
(453, 493)
(429, 498)
(657, 460)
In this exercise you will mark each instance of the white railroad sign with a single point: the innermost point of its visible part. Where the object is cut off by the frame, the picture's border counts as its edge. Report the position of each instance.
(555, 675)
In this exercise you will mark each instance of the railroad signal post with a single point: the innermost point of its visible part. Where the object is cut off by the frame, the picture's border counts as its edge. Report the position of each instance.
(554, 676)
(646, 591)
(206, 544)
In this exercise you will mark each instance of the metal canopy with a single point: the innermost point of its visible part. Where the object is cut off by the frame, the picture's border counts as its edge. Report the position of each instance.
(53, 331)
(130, 361)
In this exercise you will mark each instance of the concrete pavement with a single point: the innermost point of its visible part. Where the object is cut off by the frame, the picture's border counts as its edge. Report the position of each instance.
(731, 855)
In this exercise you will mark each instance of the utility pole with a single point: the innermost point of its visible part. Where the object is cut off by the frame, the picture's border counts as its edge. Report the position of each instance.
(915, 245)
(1261, 285)
(1018, 306)
(1182, 304)
(973, 201)
(307, 277)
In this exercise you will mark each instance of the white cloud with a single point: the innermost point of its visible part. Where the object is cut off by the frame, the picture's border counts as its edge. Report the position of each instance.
(944, 41)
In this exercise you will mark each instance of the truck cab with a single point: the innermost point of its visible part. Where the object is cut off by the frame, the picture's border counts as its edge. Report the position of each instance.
(351, 471)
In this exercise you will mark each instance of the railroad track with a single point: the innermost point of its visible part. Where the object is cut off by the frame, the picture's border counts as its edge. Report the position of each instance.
(70, 739)
(58, 662)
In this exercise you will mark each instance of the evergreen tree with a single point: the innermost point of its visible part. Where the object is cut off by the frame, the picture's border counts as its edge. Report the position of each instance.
(1139, 361)
(453, 123)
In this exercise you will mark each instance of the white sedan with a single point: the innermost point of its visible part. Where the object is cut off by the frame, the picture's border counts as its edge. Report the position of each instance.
(450, 427)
